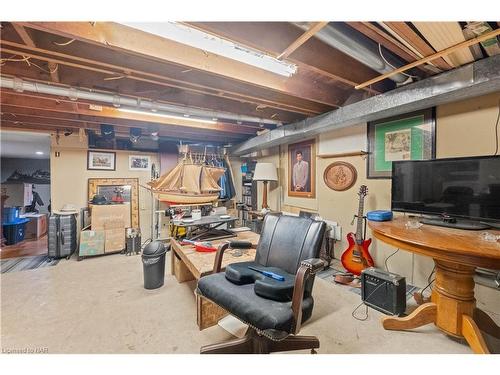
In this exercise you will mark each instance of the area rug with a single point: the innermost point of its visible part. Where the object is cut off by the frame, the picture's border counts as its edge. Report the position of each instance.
(26, 263)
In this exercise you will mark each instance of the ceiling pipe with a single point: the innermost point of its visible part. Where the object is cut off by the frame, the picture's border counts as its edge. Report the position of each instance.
(73, 93)
(344, 38)
(479, 78)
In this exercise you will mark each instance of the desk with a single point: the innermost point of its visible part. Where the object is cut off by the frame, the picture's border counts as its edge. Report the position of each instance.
(188, 264)
(456, 254)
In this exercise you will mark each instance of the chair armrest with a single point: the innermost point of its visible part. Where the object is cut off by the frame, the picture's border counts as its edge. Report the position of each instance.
(307, 268)
(218, 257)
(241, 245)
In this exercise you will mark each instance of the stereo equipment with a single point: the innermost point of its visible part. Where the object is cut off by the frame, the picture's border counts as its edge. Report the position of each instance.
(384, 291)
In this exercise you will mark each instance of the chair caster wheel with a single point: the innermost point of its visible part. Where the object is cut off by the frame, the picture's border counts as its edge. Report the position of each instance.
(313, 351)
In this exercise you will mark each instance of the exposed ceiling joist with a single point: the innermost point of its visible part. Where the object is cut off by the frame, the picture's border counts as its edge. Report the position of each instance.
(315, 27)
(127, 73)
(409, 36)
(442, 35)
(28, 40)
(274, 37)
(389, 42)
(126, 39)
(445, 52)
(10, 98)
(479, 78)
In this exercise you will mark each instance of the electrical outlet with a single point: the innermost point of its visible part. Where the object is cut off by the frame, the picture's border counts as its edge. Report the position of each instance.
(338, 232)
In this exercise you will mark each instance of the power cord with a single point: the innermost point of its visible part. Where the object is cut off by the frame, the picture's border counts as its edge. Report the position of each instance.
(496, 130)
(363, 303)
(386, 259)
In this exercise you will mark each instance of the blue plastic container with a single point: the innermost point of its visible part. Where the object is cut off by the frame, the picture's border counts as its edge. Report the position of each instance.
(14, 232)
(379, 215)
(10, 214)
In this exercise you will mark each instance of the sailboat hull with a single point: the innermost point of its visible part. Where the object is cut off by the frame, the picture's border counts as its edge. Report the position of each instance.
(180, 198)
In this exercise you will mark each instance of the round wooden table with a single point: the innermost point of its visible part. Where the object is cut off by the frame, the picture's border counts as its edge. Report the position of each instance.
(456, 254)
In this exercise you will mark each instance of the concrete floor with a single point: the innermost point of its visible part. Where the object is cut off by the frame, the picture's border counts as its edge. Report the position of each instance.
(99, 305)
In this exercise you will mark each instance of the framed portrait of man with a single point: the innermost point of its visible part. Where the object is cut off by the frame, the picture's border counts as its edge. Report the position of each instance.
(301, 169)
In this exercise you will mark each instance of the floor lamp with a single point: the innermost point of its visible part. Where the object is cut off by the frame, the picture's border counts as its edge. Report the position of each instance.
(265, 172)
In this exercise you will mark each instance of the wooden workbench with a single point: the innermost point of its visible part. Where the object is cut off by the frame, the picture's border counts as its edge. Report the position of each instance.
(188, 264)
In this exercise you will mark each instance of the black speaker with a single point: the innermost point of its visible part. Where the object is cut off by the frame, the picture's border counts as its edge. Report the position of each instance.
(384, 291)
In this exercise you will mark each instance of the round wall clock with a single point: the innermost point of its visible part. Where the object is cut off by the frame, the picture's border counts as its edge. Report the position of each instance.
(340, 176)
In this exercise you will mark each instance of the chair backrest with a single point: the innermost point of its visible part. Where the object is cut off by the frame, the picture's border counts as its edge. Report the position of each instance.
(285, 241)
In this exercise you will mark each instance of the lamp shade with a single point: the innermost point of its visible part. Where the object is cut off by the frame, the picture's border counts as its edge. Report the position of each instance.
(265, 172)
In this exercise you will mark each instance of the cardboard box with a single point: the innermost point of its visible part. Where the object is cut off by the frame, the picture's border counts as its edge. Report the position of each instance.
(114, 240)
(111, 216)
(91, 242)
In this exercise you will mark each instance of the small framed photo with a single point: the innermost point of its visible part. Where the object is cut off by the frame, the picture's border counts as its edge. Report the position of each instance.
(139, 162)
(301, 169)
(406, 137)
(101, 161)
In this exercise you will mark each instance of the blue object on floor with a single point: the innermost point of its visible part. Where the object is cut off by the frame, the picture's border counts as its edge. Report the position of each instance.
(14, 231)
(10, 214)
(379, 215)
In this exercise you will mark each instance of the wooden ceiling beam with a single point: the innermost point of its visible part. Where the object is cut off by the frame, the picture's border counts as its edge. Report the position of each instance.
(9, 98)
(127, 73)
(122, 39)
(52, 126)
(389, 42)
(315, 27)
(444, 52)
(28, 40)
(314, 55)
(69, 120)
(404, 31)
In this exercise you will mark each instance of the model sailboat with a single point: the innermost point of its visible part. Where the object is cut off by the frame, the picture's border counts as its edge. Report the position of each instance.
(188, 184)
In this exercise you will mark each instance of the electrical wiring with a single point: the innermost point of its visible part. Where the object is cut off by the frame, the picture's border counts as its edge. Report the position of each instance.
(28, 61)
(113, 78)
(67, 43)
(496, 129)
(386, 259)
(392, 66)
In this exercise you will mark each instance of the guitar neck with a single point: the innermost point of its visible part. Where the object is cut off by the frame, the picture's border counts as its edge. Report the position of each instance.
(359, 227)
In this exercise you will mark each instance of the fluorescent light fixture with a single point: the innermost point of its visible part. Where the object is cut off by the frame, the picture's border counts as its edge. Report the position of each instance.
(164, 115)
(219, 46)
(39, 152)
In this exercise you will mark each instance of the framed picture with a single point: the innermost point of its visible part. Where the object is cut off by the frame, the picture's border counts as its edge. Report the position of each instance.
(302, 169)
(407, 137)
(103, 161)
(118, 190)
(139, 163)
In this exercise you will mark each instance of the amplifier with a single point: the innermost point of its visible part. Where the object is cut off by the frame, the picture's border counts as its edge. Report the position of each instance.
(384, 291)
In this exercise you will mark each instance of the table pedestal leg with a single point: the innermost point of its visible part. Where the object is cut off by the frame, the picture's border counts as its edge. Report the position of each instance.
(453, 293)
(453, 308)
(424, 314)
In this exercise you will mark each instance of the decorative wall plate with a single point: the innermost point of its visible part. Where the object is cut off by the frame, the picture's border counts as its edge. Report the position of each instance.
(340, 176)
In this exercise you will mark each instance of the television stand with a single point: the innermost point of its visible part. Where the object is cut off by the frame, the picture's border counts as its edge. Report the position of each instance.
(456, 223)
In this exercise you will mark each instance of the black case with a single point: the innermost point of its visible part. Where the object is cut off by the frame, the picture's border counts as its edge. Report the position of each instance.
(384, 291)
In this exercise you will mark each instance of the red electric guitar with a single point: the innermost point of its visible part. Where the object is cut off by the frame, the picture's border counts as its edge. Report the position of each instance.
(356, 258)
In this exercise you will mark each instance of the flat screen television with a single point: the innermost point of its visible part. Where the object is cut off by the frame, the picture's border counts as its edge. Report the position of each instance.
(463, 192)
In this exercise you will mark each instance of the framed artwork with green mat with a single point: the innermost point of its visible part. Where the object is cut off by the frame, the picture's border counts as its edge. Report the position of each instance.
(406, 137)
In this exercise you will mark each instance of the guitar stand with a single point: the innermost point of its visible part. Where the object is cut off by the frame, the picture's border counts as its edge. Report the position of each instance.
(364, 221)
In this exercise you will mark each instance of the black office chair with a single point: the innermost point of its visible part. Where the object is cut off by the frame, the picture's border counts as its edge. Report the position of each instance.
(274, 310)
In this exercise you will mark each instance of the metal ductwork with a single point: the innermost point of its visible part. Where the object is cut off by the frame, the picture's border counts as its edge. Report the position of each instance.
(351, 42)
(20, 85)
(479, 78)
